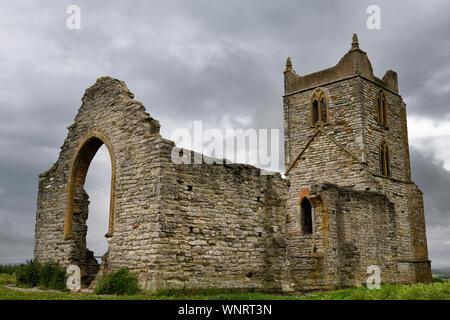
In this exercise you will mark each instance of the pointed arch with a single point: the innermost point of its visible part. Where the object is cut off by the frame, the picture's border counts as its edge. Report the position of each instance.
(81, 160)
(319, 107)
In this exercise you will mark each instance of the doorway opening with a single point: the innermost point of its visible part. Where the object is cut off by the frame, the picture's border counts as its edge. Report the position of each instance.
(97, 186)
(93, 212)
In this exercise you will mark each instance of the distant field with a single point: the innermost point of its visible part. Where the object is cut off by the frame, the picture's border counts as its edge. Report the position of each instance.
(443, 273)
(435, 291)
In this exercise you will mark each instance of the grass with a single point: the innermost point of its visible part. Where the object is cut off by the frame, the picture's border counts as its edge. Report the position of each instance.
(434, 291)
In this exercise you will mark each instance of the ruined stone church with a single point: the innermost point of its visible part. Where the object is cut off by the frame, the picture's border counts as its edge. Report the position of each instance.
(347, 201)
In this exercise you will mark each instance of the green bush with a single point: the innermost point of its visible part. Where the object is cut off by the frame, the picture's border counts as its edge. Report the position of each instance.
(28, 274)
(120, 282)
(53, 276)
(49, 275)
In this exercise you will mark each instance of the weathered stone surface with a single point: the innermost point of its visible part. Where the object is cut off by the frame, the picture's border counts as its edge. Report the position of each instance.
(203, 225)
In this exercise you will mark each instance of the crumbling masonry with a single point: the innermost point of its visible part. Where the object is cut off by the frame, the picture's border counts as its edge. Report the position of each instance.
(347, 202)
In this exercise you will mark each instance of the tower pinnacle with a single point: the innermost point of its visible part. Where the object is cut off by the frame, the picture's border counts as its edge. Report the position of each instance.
(288, 65)
(355, 43)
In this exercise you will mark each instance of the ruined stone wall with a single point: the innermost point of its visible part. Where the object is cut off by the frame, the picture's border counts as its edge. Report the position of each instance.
(219, 227)
(132, 137)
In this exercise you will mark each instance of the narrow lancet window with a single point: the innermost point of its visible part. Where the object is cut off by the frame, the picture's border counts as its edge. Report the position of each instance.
(384, 160)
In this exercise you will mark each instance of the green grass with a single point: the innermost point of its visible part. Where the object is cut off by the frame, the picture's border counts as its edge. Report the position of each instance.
(434, 291)
(437, 291)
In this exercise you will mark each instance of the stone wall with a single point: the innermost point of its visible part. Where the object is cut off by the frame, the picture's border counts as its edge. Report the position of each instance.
(352, 230)
(220, 223)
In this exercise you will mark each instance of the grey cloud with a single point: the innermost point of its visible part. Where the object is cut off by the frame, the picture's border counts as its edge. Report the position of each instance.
(431, 177)
(14, 247)
(438, 245)
(10, 236)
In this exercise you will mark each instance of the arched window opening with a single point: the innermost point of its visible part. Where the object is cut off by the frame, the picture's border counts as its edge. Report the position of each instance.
(319, 112)
(382, 109)
(384, 160)
(306, 216)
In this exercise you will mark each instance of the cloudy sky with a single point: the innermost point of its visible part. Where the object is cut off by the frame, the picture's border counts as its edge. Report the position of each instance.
(219, 62)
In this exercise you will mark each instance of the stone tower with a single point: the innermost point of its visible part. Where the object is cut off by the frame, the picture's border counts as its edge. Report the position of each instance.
(351, 201)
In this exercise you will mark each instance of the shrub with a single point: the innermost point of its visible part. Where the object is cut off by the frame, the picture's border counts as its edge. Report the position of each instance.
(29, 274)
(53, 276)
(120, 282)
(49, 275)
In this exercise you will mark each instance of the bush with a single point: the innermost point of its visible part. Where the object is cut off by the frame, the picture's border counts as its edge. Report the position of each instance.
(49, 275)
(120, 282)
(53, 276)
(29, 274)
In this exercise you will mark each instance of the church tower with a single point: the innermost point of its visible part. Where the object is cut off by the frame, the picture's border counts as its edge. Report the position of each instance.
(346, 148)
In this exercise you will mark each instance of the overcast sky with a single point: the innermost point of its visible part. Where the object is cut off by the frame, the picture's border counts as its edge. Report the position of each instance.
(218, 62)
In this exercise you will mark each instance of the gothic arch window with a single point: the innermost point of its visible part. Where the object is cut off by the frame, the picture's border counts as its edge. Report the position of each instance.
(384, 160)
(319, 107)
(381, 108)
(306, 216)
